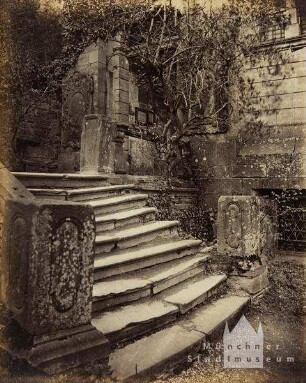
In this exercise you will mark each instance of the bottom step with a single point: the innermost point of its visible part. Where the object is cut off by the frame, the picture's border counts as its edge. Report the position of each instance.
(171, 346)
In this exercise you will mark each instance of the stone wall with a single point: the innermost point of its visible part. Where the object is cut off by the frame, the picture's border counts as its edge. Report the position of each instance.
(114, 96)
(256, 152)
(38, 139)
(266, 149)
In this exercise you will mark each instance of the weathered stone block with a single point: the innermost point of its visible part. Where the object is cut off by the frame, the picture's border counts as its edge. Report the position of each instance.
(251, 285)
(96, 144)
(93, 56)
(225, 153)
(47, 255)
(121, 108)
(78, 89)
(121, 84)
(142, 156)
(48, 265)
(122, 119)
(121, 164)
(246, 227)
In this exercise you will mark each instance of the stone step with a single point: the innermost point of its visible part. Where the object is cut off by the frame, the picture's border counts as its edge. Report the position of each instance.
(135, 319)
(134, 236)
(124, 218)
(89, 194)
(176, 342)
(154, 354)
(167, 275)
(115, 204)
(82, 194)
(61, 180)
(195, 292)
(127, 261)
(108, 294)
(45, 194)
(210, 319)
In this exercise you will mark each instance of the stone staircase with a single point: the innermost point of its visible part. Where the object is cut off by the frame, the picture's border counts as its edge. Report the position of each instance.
(152, 289)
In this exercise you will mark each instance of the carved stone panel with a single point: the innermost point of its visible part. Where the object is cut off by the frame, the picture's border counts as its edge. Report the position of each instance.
(48, 265)
(90, 144)
(77, 101)
(18, 259)
(61, 267)
(243, 226)
(65, 265)
(233, 225)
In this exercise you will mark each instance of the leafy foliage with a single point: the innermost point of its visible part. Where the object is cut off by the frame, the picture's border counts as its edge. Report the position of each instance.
(31, 45)
(196, 221)
(185, 62)
(287, 288)
(191, 67)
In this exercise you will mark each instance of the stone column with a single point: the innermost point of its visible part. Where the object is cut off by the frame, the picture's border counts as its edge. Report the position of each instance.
(97, 145)
(246, 232)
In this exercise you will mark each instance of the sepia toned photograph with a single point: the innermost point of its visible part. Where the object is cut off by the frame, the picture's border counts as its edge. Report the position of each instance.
(152, 191)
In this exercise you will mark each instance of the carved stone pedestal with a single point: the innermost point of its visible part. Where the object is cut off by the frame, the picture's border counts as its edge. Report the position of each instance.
(246, 233)
(47, 279)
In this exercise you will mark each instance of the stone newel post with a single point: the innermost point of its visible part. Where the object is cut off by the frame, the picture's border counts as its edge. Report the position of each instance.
(97, 147)
(246, 232)
(46, 280)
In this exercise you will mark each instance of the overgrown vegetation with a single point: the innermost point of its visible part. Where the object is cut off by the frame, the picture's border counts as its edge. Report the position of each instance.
(186, 63)
(31, 45)
(287, 286)
(196, 221)
(191, 67)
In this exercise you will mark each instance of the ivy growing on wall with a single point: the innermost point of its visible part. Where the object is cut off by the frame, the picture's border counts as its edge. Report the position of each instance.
(187, 62)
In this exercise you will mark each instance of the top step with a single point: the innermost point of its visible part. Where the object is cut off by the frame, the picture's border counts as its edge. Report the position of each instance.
(82, 194)
(61, 180)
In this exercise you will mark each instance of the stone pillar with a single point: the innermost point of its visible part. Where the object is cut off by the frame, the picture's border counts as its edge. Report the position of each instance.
(246, 232)
(121, 88)
(47, 280)
(96, 145)
(121, 165)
